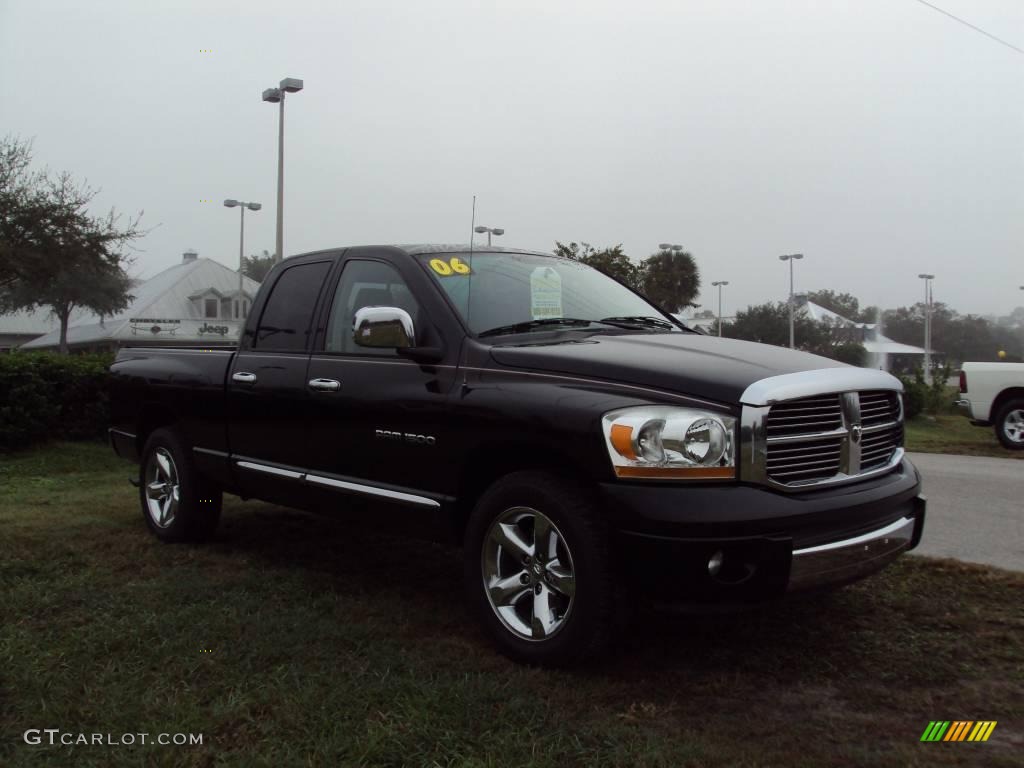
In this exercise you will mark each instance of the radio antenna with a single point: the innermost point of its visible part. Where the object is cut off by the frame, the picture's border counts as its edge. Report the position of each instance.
(469, 282)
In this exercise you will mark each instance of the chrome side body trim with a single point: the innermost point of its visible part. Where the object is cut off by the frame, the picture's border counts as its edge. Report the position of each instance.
(129, 435)
(841, 561)
(270, 470)
(330, 482)
(210, 452)
(372, 491)
(824, 381)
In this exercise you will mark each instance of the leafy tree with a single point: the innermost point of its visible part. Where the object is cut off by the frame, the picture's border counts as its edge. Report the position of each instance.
(53, 253)
(25, 213)
(838, 341)
(1013, 320)
(671, 279)
(956, 337)
(612, 261)
(869, 314)
(769, 324)
(256, 266)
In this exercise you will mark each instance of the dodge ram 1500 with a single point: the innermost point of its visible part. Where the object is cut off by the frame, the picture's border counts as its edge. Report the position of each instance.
(579, 444)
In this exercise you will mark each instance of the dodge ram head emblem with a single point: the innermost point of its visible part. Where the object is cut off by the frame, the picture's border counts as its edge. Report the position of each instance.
(855, 433)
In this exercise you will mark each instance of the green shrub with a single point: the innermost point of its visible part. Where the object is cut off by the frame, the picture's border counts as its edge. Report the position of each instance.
(48, 396)
(921, 397)
(914, 397)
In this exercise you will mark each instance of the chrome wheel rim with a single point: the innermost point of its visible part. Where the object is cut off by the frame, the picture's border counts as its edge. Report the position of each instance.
(163, 490)
(528, 574)
(1013, 425)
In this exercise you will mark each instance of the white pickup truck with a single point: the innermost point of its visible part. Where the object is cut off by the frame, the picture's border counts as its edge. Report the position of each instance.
(992, 394)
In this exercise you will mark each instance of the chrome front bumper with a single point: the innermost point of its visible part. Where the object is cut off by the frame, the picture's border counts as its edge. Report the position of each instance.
(849, 559)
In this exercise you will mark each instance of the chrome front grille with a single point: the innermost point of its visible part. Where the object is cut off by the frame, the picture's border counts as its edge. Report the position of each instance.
(877, 448)
(879, 408)
(802, 461)
(808, 414)
(818, 439)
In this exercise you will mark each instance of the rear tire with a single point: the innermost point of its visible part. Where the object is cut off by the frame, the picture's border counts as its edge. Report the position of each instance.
(1009, 425)
(178, 503)
(537, 571)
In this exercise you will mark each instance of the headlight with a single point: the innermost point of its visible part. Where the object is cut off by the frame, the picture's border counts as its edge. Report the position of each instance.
(667, 442)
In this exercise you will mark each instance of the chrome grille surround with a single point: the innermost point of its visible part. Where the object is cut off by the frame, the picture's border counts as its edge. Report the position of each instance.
(802, 431)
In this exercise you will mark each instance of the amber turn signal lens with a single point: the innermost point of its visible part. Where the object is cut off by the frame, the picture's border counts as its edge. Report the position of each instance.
(622, 440)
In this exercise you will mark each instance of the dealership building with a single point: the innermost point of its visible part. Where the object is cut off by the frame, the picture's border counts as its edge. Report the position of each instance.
(197, 301)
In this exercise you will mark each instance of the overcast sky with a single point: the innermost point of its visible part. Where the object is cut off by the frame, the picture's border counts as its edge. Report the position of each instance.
(878, 137)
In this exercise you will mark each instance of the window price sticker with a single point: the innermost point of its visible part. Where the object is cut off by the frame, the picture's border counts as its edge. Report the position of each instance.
(454, 266)
(545, 294)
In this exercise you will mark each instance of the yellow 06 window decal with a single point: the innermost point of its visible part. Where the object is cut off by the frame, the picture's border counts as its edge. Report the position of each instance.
(454, 266)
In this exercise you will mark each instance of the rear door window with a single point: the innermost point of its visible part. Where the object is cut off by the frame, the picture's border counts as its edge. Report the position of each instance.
(287, 318)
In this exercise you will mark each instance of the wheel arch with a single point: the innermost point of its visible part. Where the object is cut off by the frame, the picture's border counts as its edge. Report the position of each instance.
(152, 417)
(1012, 393)
(488, 462)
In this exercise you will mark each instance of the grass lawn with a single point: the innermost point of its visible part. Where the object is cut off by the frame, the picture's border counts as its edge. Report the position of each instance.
(292, 641)
(953, 433)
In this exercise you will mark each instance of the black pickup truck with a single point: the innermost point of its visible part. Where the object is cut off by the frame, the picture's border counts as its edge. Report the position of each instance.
(581, 445)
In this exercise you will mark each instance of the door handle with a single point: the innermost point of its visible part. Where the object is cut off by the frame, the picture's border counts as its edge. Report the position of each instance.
(244, 378)
(325, 385)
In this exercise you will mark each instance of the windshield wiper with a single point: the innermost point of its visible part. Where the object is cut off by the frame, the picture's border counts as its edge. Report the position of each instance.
(530, 325)
(641, 320)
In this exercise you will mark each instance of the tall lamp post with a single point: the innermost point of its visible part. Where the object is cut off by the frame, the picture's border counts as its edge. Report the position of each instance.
(791, 257)
(241, 247)
(718, 284)
(496, 231)
(276, 96)
(927, 325)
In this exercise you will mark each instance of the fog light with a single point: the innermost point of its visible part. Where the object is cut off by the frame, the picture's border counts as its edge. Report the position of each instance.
(715, 563)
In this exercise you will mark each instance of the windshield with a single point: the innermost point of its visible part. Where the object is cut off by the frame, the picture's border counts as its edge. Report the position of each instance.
(497, 291)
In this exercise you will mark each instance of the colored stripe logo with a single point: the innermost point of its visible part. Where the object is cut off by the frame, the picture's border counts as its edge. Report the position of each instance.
(958, 730)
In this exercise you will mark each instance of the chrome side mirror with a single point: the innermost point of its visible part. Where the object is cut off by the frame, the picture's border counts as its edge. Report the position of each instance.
(389, 327)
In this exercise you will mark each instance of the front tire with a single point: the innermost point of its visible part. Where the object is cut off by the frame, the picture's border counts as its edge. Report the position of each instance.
(537, 570)
(1010, 425)
(178, 503)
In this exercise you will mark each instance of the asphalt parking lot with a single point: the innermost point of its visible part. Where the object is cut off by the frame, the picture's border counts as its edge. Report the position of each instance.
(975, 509)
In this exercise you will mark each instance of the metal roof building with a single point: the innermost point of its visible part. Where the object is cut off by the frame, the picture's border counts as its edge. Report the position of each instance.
(194, 302)
(17, 328)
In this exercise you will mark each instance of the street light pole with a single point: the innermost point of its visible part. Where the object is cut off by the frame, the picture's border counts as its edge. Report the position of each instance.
(791, 257)
(927, 325)
(496, 231)
(276, 96)
(241, 247)
(719, 284)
